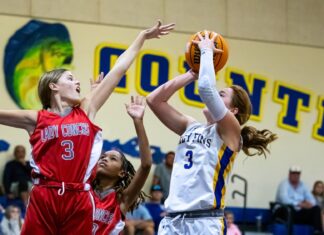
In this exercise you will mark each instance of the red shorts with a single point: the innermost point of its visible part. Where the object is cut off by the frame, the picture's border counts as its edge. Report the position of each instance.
(51, 212)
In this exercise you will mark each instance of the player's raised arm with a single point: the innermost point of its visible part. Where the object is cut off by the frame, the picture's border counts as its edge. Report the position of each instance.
(228, 125)
(136, 109)
(158, 102)
(101, 93)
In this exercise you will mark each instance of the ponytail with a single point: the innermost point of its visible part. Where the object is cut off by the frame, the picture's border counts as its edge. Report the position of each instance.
(258, 140)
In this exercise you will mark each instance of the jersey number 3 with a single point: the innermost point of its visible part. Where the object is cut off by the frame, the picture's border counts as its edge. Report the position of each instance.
(68, 149)
(189, 164)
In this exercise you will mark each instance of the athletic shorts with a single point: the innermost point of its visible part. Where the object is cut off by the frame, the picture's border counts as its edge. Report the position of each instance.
(50, 212)
(180, 225)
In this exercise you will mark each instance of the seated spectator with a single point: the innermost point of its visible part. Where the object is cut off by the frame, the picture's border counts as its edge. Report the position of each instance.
(17, 176)
(155, 206)
(318, 193)
(12, 222)
(162, 174)
(294, 192)
(139, 222)
(232, 229)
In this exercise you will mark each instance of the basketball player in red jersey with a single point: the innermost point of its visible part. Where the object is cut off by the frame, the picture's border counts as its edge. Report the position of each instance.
(117, 187)
(66, 144)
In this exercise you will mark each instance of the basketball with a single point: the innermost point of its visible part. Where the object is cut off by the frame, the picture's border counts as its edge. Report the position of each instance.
(193, 52)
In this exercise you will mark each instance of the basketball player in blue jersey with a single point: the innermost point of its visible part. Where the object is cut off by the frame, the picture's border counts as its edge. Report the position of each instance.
(206, 152)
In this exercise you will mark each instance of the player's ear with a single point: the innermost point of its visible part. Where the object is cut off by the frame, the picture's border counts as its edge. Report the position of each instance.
(53, 86)
(122, 174)
(234, 110)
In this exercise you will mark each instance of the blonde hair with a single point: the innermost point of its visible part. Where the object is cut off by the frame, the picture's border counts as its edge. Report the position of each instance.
(44, 91)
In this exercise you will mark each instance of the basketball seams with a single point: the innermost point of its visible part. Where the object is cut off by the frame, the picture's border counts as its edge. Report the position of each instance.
(193, 53)
(221, 54)
(195, 67)
(188, 55)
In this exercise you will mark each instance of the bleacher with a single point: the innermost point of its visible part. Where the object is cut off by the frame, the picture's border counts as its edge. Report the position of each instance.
(259, 220)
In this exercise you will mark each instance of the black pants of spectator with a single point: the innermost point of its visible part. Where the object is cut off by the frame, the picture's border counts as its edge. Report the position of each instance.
(22, 186)
(310, 216)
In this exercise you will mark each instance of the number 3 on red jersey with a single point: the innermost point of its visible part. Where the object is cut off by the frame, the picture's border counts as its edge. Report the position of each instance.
(68, 150)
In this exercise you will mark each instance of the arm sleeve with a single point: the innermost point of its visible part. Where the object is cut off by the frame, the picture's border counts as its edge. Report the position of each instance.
(207, 86)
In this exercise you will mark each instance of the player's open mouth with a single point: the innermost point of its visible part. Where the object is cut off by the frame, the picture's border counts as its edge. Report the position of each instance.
(78, 89)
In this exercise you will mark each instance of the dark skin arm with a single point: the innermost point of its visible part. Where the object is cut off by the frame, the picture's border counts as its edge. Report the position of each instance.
(136, 110)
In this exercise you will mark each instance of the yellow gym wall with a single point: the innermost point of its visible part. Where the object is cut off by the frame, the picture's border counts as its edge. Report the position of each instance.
(286, 66)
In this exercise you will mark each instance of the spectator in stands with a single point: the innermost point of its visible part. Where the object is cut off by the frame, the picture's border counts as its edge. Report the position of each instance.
(318, 193)
(139, 221)
(17, 176)
(155, 206)
(232, 229)
(12, 222)
(294, 192)
(162, 174)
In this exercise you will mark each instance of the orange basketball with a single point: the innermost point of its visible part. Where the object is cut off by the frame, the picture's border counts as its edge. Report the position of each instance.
(193, 52)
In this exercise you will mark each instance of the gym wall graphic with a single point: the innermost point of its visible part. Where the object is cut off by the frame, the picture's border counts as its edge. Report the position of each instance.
(280, 95)
(35, 48)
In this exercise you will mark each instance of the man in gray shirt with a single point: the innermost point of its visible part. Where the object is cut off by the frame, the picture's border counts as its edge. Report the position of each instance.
(162, 174)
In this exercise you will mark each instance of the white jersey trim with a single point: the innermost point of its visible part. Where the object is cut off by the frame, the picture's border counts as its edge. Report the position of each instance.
(94, 155)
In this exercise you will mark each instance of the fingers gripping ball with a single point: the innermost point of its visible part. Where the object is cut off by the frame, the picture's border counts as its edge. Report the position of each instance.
(193, 52)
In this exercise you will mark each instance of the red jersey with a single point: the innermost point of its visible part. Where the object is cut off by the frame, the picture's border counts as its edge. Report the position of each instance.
(65, 149)
(108, 218)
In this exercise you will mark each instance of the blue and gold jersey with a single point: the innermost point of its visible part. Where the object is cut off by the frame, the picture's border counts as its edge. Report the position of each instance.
(200, 170)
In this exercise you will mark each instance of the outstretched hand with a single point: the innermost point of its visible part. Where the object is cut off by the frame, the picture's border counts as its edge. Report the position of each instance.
(136, 107)
(206, 42)
(158, 30)
(95, 83)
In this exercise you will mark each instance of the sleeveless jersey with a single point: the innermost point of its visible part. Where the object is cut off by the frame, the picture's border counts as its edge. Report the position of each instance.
(108, 218)
(65, 149)
(200, 169)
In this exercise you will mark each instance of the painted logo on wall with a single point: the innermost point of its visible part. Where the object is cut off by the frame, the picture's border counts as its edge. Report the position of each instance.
(130, 148)
(4, 146)
(35, 48)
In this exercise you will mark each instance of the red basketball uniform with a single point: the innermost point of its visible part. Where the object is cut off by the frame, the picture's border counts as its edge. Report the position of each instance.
(64, 152)
(108, 218)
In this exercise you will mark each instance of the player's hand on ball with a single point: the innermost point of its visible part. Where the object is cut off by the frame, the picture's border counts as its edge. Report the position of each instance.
(206, 42)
